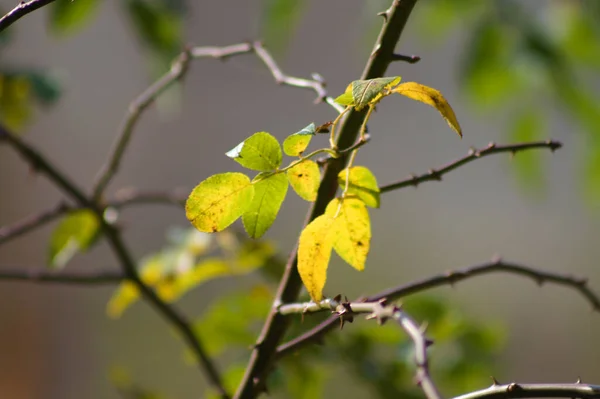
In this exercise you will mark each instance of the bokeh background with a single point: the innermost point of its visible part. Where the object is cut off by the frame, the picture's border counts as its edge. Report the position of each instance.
(56, 341)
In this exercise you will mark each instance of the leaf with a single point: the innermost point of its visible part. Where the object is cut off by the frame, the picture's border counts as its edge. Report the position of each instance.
(305, 179)
(353, 230)
(362, 184)
(218, 201)
(126, 294)
(362, 93)
(528, 126)
(66, 16)
(261, 152)
(158, 24)
(269, 193)
(280, 19)
(295, 144)
(74, 234)
(314, 252)
(433, 97)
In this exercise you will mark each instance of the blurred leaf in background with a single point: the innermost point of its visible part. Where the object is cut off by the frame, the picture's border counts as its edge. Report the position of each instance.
(68, 16)
(279, 21)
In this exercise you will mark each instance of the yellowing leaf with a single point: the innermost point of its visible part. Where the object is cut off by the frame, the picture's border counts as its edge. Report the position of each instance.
(261, 152)
(305, 179)
(126, 294)
(295, 144)
(218, 201)
(314, 251)
(430, 96)
(269, 193)
(75, 233)
(352, 230)
(362, 184)
(362, 93)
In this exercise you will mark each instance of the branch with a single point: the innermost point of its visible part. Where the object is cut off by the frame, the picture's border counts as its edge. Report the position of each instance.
(514, 390)
(492, 148)
(32, 222)
(345, 311)
(43, 276)
(276, 324)
(131, 196)
(113, 236)
(22, 9)
(177, 72)
(450, 278)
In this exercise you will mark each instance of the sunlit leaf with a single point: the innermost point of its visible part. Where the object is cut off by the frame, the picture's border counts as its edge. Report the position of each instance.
(66, 16)
(75, 233)
(269, 193)
(218, 201)
(295, 144)
(314, 252)
(362, 184)
(433, 97)
(261, 152)
(305, 179)
(367, 92)
(353, 230)
(126, 294)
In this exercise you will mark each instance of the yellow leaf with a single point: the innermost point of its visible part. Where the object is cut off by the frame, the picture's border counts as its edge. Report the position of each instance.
(314, 251)
(305, 179)
(432, 97)
(218, 201)
(125, 295)
(352, 230)
(363, 184)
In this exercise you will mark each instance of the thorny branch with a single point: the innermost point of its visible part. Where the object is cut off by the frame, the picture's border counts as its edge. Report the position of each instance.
(380, 311)
(22, 9)
(128, 265)
(449, 278)
(276, 325)
(492, 148)
(518, 390)
(177, 72)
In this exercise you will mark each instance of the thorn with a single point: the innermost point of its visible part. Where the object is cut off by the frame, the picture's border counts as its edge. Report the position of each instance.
(472, 152)
(411, 59)
(383, 14)
(337, 298)
(428, 342)
(578, 380)
(494, 381)
(318, 78)
(491, 144)
(582, 281)
(513, 387)
(383, 302)
(376, 51)
(414, 179)
(496, 259)
(435, 175)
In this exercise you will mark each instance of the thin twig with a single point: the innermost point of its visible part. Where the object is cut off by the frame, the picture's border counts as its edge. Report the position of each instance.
(276, 325)
(450, 278)
(32, 222)
(411, 59)
(128, 265)
(131, 196)
(380, 311)
(178, 70)
(44, 276)
(518, 390)
(22, 9)
(492, 148)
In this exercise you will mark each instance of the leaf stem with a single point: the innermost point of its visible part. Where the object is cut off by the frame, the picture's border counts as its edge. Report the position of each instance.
(332, 138)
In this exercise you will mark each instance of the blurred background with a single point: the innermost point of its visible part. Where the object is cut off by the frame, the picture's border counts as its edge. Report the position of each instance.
(512, 71)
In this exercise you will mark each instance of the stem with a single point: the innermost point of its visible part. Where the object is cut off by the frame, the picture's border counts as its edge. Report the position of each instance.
(334, 125)
(22, 9)
(43, 276)
(514, 390)
(276, 325)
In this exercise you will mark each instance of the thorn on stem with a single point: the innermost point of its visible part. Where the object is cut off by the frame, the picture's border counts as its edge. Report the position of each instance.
(578, 380)
(494, 381)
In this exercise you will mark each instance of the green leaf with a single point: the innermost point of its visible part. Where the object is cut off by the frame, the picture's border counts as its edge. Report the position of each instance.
(15, 101)
(280, 19)
(367, 92)
(314, 252)
(352, 230)
(66, 16)
(362, 184)
(261, 152)
(305, 179)
(430, 96)
(528, 126)
(75, 233)
(45, 87)
(295, 144)
(218, 201)
(269, 193)
(158, 24)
